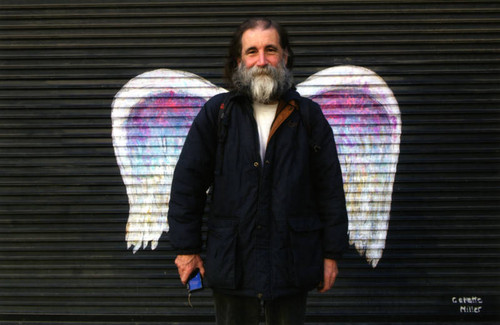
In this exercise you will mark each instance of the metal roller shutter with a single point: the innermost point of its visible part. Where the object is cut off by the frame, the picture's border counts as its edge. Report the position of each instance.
(63, 205)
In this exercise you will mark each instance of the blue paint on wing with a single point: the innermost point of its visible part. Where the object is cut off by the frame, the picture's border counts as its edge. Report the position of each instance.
(157, 127)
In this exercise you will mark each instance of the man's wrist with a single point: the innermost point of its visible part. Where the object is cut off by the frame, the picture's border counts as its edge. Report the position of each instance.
(194, 251)
(335, 257)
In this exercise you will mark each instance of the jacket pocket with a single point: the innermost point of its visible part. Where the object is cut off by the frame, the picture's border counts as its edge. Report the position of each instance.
(220, 263)
(306, 252)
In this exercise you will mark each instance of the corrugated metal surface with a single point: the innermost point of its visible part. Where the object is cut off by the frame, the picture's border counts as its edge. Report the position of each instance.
(63, 206)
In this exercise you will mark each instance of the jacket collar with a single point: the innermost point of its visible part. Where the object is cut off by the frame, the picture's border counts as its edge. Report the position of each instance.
(291, 94)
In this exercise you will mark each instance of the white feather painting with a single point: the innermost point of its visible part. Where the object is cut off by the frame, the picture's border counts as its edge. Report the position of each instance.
(152, 114)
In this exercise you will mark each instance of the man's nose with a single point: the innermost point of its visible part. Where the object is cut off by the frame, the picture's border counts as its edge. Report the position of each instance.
(262, 60)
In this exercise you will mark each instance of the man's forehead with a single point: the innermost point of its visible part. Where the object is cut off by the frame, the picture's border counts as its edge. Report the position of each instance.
(254, 35)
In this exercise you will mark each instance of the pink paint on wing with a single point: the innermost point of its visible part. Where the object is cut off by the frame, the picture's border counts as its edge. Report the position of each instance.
(354, 111)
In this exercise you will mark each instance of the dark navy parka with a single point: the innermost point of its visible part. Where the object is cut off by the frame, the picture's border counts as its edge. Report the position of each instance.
(272, 221)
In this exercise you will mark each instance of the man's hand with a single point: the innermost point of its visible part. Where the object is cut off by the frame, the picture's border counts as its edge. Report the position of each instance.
(186, 264)
(330, 273)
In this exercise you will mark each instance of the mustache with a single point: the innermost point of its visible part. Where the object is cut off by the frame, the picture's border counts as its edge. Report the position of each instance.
(268, 70)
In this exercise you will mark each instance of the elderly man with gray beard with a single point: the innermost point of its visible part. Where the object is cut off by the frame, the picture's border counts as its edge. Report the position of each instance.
(277, 221)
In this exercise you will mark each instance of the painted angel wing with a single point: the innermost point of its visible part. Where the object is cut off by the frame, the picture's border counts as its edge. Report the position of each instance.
(151, 116)
(365, 119)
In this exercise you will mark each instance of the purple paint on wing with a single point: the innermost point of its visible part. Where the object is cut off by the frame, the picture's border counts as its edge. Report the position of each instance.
(166, 114)
(354, 111)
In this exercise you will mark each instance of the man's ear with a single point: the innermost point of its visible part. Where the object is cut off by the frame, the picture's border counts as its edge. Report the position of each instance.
(285, 57)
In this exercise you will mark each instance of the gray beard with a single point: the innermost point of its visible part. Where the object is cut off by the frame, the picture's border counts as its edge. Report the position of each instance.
(263, 84)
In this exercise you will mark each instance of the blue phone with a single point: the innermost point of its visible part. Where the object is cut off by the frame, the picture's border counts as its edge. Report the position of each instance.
(195, 282)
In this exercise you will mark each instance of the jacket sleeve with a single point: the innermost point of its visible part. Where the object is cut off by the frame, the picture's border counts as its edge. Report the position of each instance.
(193, 175)
(329, 189)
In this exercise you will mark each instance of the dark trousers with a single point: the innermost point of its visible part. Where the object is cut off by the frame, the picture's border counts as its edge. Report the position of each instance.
(236, 310)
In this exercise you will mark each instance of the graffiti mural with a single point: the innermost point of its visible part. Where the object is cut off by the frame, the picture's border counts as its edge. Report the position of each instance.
(152, 114)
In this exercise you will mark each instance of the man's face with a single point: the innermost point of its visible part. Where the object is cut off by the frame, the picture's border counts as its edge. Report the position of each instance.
(261, 71)
(261, 47)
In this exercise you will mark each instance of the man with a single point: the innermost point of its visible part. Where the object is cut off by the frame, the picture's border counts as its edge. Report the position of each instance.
(277, 222)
